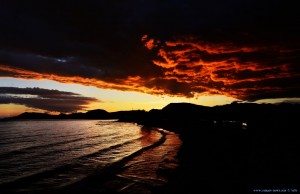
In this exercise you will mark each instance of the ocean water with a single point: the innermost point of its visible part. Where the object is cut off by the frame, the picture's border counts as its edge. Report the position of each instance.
(54, 154)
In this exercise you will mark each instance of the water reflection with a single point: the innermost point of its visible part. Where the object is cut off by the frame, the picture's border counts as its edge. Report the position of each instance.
(143, 168)
(150, 135)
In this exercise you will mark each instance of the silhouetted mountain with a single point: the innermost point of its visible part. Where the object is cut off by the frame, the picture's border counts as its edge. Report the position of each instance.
(178, 115)
(129, 116)
(97, 114)
(234, 111)
(184, 107)
(192, 111)
(33, 115)
(93, 114)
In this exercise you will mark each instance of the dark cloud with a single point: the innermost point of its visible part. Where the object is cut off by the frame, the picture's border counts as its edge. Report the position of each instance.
(175, 47)
(48, 100)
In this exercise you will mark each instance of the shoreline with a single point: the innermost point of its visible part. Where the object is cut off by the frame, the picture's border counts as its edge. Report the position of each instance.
(92, 183)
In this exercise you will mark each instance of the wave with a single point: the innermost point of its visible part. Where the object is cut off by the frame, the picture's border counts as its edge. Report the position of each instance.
(31, 148)
(112, 169)
(40, 174)
(105, 170)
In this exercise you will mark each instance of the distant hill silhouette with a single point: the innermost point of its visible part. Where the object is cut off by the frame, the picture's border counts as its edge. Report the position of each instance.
(178, 114)
(92, 114)
(32, 115)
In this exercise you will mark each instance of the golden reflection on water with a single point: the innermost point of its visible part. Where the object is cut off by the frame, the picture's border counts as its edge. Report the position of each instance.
(149, 136)
(145, 166)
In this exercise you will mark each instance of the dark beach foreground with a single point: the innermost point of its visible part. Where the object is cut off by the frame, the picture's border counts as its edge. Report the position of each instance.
(212, 160)
(261, 158)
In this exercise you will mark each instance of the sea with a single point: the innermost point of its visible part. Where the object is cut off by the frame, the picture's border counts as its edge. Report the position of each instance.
(38, 156)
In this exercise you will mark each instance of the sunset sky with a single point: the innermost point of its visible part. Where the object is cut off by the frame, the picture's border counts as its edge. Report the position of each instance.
(71, 56)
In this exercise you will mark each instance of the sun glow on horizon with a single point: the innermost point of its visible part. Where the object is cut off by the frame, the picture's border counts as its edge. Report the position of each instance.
(11, 110)
(109, 100)
(112, 100)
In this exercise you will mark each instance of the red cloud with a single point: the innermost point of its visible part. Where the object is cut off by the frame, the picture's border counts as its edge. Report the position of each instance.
(150, 43)
(216, 68)
(130, 83)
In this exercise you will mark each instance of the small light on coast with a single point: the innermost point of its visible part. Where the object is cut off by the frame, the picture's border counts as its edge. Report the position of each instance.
(61, 60)
(244, 125)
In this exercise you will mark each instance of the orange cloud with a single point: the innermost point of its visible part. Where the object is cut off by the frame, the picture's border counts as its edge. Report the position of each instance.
(217, 68)
(150, 43)
(130, 83)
